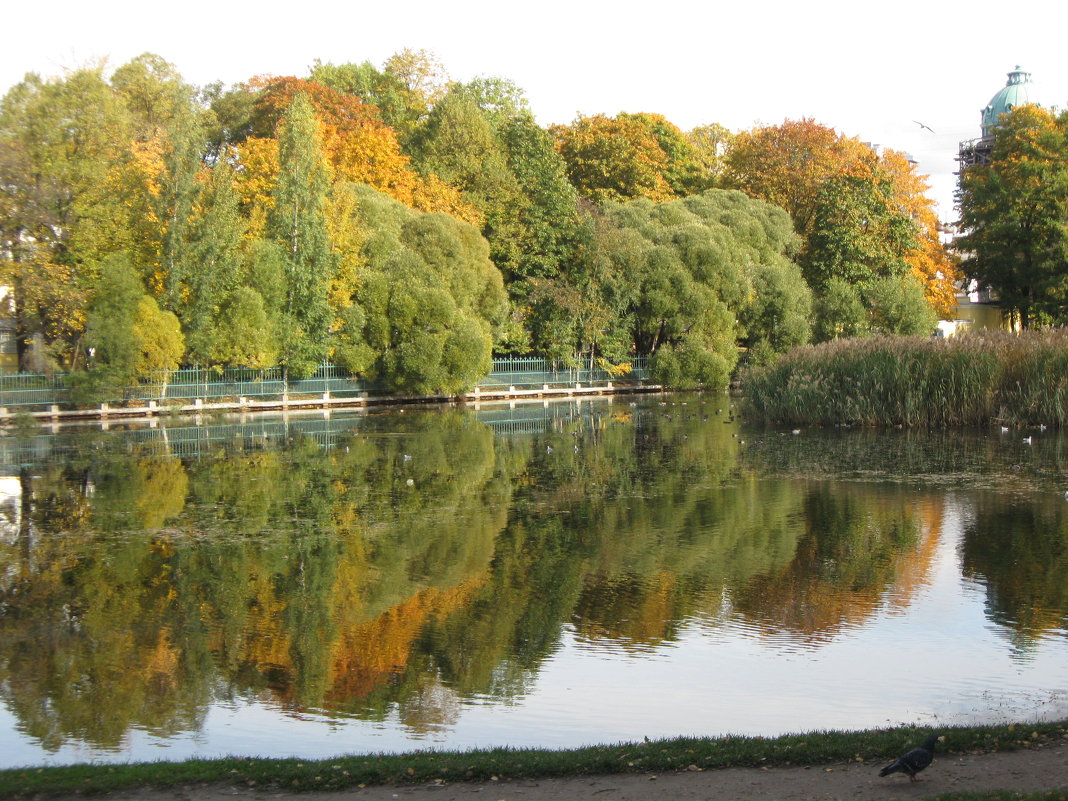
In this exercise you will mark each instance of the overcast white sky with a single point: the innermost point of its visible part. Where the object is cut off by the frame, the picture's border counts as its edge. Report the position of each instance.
(866, 69)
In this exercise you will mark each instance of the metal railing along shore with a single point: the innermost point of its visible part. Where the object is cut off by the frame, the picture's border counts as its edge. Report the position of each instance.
(39, 392)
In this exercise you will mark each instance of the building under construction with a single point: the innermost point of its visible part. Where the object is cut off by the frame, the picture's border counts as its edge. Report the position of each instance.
(1017, 92)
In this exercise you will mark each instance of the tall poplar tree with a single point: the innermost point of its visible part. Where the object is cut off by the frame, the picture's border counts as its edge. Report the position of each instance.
(216, 232)
(168, 122)
(298, 223)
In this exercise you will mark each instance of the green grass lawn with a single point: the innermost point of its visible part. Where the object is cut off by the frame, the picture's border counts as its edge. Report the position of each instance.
(515, 763)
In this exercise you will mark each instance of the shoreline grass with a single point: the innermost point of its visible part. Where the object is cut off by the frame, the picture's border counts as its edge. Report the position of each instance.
(658, 756)
(979, 379)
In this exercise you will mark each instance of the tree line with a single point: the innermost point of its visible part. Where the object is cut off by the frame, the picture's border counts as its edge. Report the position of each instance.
(408, 227)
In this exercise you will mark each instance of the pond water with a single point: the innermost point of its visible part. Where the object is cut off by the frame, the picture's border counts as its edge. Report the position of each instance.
(550, 575)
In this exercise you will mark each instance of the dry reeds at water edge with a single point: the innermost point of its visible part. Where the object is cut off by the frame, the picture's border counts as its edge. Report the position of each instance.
(978, 379)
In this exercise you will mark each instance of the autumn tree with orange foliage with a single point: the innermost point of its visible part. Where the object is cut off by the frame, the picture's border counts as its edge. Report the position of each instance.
(359, 146)
(929, 260)
(786, 165)
(862, 218)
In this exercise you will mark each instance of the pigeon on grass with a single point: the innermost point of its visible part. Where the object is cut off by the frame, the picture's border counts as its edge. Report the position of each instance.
(914, 761)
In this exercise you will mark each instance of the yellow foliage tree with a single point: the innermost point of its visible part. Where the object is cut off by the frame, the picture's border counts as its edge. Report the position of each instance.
(358, 145)
(255, 180)
(613, 159)
(930, 262)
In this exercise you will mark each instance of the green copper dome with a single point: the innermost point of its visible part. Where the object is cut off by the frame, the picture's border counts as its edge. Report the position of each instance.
(1014, 94)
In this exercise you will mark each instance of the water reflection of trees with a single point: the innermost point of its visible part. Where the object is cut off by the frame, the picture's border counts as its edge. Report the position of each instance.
(862, 547)
(1015, 541)
(1018, 549)
(421, 560)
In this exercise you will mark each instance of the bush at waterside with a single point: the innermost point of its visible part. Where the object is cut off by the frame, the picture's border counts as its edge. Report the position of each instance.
(978, 379)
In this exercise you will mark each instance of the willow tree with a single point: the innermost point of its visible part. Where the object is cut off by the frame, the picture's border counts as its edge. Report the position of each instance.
(688, 281)
(431, 303)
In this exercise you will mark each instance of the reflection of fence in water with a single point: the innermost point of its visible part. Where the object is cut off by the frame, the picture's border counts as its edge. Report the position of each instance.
(265, 430)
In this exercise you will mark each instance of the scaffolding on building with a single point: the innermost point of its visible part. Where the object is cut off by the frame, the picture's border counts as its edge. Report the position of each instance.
(975, 152)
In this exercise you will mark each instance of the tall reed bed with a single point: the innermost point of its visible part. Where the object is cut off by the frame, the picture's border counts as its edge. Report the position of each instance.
(979, 379)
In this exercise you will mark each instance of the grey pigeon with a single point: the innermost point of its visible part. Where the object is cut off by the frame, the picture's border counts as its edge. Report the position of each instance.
(914, 761)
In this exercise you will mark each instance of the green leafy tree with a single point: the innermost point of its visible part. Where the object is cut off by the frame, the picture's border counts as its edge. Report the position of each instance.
(583, 312)
(159, 340)
(710, 144)
(110, 324)
(779, 314)
(215, 239)
(380, 89)
(61, 213)
(231, 121)
(1014, 216)
(840, 311)
(423, 78)
(298, 223)
(404, 90)
(682, 275)
(898, 306)
(264, 271)
(159, 336)
(131, 337)
(893, 304)
(154, 92)
(246, 335)
(459, 145)
(548, 232)
(498, 97)
(479, 139)
(430, 304)
(858, 233)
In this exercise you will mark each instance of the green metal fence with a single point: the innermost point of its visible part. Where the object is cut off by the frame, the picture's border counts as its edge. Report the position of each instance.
(24, 391)
(533, 371)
